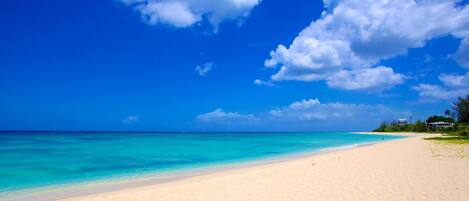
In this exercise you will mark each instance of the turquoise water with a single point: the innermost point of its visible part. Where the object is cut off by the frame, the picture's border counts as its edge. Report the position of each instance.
(34, 159)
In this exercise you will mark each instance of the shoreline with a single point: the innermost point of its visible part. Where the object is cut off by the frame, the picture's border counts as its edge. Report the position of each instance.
(404, 134)
(109, 185)
(402, 169)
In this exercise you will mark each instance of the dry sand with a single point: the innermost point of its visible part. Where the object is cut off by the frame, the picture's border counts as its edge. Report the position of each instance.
(406, 169)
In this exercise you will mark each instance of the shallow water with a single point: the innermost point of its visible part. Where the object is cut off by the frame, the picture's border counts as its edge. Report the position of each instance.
(36, 159)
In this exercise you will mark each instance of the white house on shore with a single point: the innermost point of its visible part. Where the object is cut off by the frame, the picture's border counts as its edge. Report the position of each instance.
(440, 124)
(402, 122)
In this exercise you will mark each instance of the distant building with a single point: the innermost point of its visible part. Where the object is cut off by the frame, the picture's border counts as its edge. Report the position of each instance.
(440, 124)
(402, 122)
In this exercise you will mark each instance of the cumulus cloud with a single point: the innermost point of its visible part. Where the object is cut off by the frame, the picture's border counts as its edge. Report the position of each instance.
(372, 79)
(219, 115)
(186, 13)
(453, 87)
(353, 36)
(174, 13)
(202, 70)
(309, 114)
(455, 81)
(313, 109)
(131, 119)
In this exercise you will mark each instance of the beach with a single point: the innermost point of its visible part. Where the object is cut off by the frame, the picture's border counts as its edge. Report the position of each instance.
(404, 169)
(234, 100)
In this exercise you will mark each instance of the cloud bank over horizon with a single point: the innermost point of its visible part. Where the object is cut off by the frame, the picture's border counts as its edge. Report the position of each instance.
(345, 46)
(309, 114)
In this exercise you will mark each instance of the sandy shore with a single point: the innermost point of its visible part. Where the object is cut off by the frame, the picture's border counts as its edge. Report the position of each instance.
(405, 134)
(406, 169)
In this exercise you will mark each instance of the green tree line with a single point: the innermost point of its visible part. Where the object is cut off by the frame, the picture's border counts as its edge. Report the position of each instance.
(459, 115)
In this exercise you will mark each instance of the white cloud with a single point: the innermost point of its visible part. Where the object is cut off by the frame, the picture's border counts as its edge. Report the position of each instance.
(185, 13)
(131, 119)
(202, 70)
(462, 55)
(429, 92)
(453, 87)
(175, 13)
(308, 114)
(220, 115)
(263, 83)
(221, 121)
(455, 81)
(372, 79)
(353, 36)
(313, 109)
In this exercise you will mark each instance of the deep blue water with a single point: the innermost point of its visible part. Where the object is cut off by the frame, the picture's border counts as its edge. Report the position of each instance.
(34, 159)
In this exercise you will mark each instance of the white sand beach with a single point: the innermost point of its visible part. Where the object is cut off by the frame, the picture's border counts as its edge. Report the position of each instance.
(405, 169)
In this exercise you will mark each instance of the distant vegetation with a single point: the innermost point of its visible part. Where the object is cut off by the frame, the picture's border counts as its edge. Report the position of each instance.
(461, 126)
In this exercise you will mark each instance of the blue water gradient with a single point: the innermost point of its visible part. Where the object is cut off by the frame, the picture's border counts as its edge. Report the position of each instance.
(34, 159)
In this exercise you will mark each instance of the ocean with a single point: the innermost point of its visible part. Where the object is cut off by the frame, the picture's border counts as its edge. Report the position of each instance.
(40, 159)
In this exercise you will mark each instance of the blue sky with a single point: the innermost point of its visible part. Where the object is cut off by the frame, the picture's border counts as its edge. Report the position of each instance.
(249, 65)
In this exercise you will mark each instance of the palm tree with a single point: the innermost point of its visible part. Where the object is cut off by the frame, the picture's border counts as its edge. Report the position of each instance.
(447, 113)
(462, 109)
